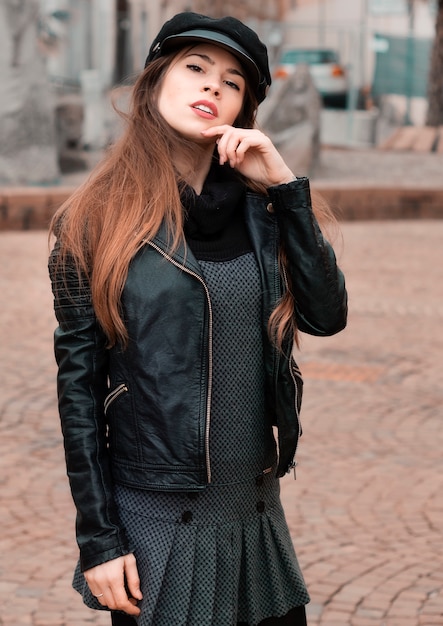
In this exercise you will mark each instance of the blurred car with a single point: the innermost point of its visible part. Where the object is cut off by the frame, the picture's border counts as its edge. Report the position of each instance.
(328, 75)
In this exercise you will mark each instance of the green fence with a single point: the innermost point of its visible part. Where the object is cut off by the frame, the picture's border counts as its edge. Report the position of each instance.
(401, 65)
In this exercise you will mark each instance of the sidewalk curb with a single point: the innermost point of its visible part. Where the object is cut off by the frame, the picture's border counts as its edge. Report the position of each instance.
(31, 208)
(373, 202)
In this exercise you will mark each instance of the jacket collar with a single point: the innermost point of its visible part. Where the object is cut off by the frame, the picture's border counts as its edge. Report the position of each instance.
(182, 255)
(261, 226)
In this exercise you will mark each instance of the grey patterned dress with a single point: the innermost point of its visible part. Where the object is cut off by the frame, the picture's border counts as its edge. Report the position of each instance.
(224, 555)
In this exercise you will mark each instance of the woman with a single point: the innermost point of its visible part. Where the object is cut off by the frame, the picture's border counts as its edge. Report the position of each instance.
(182, 272)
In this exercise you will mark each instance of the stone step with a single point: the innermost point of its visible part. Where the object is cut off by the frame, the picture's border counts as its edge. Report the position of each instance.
(416, 139)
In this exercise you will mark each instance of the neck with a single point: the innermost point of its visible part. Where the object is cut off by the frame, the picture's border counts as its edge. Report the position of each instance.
(195, 175)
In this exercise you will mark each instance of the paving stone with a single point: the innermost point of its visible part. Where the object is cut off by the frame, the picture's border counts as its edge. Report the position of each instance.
(365, 512)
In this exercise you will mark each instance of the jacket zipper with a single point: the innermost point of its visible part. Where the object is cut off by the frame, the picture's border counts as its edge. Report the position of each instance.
(115, 393)
(208, 402)
(295, 373)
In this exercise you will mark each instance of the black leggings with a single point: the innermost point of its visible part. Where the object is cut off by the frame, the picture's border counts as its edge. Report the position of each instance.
(295, 617)
(119, 619)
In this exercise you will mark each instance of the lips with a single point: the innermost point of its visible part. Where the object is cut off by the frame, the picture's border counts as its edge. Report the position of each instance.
(204, 108)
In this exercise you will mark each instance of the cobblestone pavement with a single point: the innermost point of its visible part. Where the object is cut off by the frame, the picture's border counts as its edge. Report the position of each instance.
(366, 510)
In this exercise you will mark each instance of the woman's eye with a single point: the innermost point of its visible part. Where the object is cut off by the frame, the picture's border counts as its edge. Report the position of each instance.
(194, 67)
(233, 85)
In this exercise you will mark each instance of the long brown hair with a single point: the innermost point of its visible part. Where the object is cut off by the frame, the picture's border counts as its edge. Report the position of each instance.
(128, 196)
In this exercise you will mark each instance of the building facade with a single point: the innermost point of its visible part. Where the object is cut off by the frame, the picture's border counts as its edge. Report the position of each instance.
(111, 37)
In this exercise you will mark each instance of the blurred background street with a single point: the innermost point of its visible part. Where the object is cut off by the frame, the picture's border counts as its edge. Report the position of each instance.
(345, 75)
(362, 115)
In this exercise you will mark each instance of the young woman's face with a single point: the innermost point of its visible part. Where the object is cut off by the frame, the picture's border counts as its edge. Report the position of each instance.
(203, 87)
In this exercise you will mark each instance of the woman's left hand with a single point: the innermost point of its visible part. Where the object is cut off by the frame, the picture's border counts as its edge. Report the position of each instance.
(251, 153)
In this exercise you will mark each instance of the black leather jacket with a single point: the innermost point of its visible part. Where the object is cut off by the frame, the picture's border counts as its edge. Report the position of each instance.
(141, 416)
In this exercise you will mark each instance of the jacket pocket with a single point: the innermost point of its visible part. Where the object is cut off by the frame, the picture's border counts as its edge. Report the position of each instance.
(114, 395)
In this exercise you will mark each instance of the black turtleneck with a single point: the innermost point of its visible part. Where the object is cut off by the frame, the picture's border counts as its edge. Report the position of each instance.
(214, 224)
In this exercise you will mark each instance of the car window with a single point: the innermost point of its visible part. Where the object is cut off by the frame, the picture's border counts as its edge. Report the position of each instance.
(310, 57)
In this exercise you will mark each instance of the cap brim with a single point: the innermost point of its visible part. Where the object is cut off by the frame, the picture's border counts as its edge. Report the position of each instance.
(199, 35)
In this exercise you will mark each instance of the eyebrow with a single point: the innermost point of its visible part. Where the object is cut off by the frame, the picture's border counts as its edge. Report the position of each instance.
(211, 61)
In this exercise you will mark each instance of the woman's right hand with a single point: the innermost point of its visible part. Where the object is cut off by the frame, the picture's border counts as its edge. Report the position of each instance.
(107, 584)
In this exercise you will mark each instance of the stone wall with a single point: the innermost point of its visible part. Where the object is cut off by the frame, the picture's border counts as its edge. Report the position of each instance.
(291, 117)
(27, 122)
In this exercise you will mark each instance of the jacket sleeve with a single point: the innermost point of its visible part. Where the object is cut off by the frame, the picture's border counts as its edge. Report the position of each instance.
(82, 358)
(317, 283)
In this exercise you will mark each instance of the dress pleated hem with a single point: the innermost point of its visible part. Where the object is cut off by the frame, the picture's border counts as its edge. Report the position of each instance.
(210, 574)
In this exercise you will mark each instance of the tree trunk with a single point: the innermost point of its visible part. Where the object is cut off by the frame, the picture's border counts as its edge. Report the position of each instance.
(27, 121)
(435, 88)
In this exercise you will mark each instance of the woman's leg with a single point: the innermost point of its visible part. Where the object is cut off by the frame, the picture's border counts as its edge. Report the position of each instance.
(120, 619)
(295, 617)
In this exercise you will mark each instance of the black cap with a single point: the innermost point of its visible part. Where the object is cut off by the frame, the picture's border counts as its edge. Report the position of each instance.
(227, 32)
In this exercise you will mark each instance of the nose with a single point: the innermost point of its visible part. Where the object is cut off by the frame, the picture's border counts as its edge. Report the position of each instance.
(216, 92)
(212, 86)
